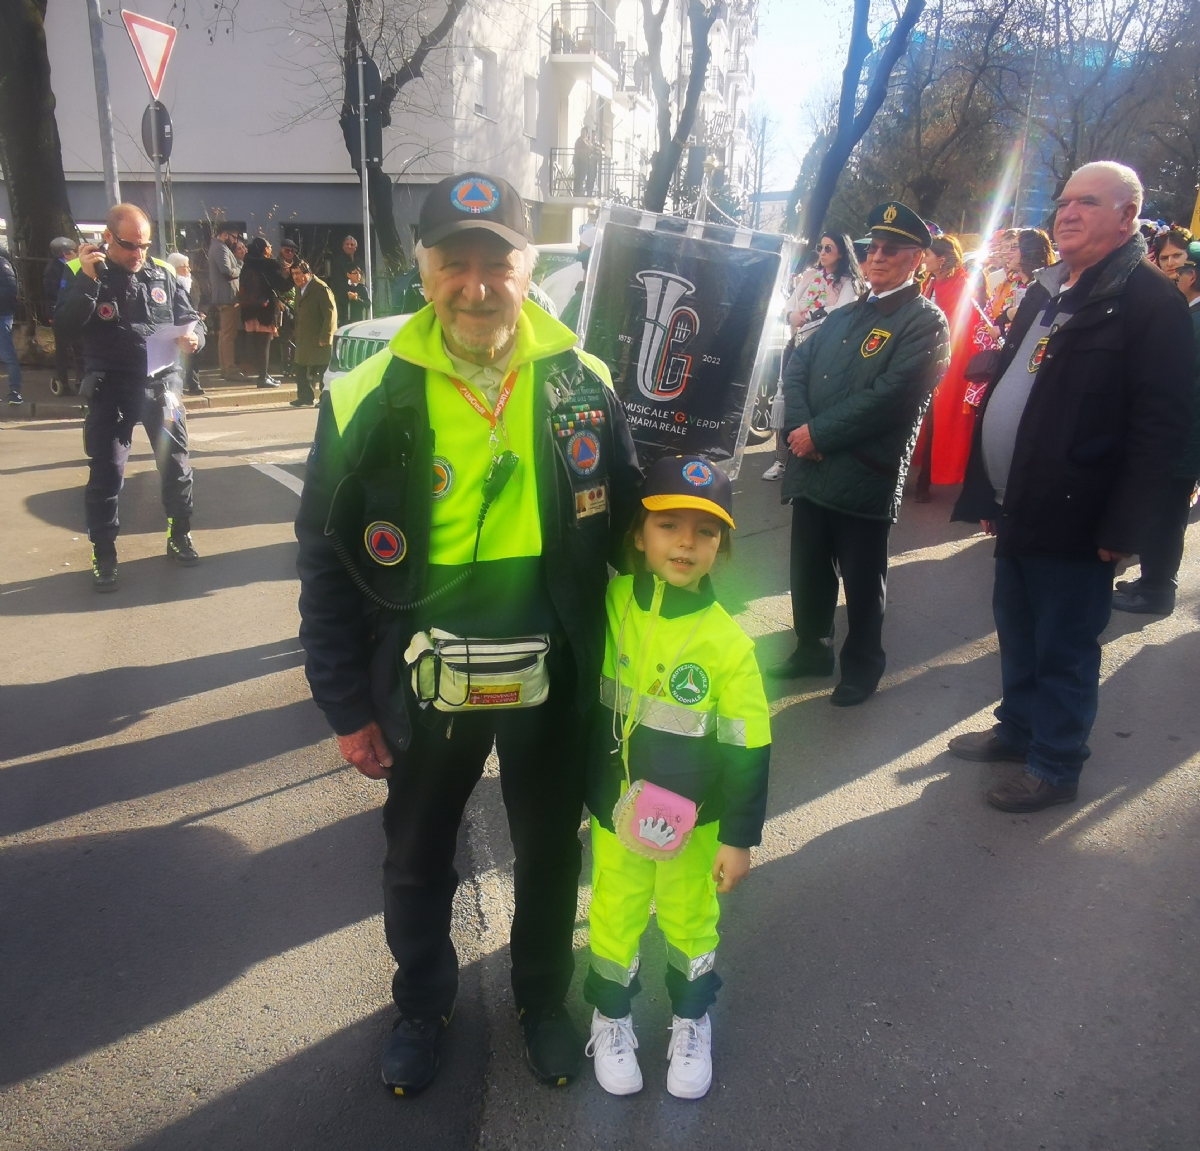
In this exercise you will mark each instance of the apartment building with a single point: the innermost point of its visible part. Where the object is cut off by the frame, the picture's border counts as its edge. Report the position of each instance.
(554, 96)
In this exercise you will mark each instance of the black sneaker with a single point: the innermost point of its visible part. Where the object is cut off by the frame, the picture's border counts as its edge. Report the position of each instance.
(179, 547)
(553, 1048)
(410, 1060)
(104, 569)
(15, 401)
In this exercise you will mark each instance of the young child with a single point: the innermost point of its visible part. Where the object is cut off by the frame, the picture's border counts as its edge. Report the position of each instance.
(681, 708)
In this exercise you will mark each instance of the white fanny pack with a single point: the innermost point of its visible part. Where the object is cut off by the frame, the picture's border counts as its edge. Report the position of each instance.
(457, 674)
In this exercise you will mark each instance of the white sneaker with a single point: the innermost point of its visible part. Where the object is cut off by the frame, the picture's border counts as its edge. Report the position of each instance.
(690, 1052)
(611, 1048)
(775, 471)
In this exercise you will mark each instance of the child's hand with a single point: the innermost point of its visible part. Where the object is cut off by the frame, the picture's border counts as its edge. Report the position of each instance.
(731, 866)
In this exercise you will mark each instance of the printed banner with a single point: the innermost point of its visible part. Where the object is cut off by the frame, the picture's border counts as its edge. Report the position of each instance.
(685, 315)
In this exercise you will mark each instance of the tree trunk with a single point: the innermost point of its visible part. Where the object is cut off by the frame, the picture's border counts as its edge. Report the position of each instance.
(666, 159)
(29, 145)
(851, 127)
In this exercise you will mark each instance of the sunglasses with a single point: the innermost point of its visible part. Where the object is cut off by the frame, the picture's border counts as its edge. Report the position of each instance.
(889, 251)
(130, 246)
(826, 249)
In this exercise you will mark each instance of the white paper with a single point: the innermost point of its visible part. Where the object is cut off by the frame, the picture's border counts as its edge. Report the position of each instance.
(161, 350)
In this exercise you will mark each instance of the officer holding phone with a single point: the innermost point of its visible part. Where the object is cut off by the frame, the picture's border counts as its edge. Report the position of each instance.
(117, 301)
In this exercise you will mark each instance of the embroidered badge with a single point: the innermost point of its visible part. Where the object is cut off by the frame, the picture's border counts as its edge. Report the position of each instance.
(688, 683)
(697, 473)
(106, 311)
(583, 453)
(443, 477)
(1038, 354)
(889, 214)
(476, 196)
(385, 543)
(158, 295)
(874, 342)
(591, 502)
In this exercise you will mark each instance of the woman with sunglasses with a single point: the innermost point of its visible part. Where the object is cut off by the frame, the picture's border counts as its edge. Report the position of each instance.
(835, 280)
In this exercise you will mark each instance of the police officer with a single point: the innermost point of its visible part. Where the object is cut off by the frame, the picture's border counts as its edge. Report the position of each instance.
(469, 480)
(117, 300)
(855, 394)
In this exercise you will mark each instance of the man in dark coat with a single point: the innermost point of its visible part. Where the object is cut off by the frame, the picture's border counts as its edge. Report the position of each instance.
(855, 394)
(1076, 438)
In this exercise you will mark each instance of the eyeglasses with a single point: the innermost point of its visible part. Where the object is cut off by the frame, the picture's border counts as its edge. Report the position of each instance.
(130, 246)
(889, 251)
(826, 250)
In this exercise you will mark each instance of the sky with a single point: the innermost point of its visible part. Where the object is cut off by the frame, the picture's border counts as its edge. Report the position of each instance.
(797, 64)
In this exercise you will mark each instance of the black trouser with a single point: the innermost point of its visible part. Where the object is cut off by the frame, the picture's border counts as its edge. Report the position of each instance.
(308, 382)
(542, 782)
(826, 544)
(1162, 552)
(260, 353)
(117, 407)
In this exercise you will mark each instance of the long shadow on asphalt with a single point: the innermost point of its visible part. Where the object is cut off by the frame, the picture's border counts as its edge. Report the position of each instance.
(96, 705)
(46, 790)
(152, 580)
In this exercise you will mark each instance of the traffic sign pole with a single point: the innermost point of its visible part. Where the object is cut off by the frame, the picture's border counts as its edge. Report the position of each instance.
(161, 245)
(366, 190)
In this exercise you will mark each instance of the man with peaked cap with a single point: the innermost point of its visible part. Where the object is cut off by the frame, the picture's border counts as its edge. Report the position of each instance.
(464, 491)
(855, 394)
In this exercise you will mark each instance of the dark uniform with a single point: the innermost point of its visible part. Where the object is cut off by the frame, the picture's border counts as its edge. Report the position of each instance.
(389, 513)
(115, 314)
(861, 384)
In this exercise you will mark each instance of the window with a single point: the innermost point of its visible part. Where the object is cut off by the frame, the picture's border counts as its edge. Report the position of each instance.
(485, 83)
(531, 106)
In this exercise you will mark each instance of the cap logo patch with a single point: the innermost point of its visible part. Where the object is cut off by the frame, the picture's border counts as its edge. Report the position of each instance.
(583, 453)
(158, 295)
(475, 196)
(698, 474)
(385, 543)
(889, 213)
(106, 311)
(877, 338)
(443, 477)
(688, 683)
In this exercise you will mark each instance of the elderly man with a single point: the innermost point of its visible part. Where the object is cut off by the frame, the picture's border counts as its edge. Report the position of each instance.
(1073, 448)
(464, 491)
(855, 394)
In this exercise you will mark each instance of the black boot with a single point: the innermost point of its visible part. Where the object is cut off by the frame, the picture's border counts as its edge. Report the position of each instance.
(104, 567)
(553, 1048)
(410, 1060)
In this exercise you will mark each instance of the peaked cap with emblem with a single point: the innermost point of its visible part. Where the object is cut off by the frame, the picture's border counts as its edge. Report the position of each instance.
(1193, 255)
(474, 201)
(893, 220)
(688, 482)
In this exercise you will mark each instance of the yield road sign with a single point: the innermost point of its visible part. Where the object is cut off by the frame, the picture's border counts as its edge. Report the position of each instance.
(152, 41)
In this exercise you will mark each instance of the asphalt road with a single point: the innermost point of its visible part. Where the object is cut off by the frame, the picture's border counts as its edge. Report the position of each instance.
(191, 951)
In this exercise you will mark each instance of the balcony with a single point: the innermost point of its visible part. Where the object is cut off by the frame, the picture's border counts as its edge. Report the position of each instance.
(582, 184)
(583, 45)
(633, 76)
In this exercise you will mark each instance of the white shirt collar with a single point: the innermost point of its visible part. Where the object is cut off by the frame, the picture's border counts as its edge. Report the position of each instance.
(892, 291)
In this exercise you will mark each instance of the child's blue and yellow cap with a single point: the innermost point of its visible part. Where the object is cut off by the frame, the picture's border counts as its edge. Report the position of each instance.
(688, 482)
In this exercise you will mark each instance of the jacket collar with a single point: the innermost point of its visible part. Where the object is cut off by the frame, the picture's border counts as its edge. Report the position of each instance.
(893, 303)
(675, 601)
(1106, 278)
(539, 335)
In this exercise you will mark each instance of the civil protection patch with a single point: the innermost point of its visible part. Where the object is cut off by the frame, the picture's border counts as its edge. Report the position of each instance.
(158, 295)
(106, 311)
(688, 683)
(475, 195)
(583, 453)
(874, 341)
(443, 477)
(385, 543)
(697, 473)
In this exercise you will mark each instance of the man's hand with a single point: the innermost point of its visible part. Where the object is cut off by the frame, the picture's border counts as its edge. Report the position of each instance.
(1112, 557)
(188, 343)
(801, 444)
(90, 259)
(367, 750)
(731, 866)
(989, 527)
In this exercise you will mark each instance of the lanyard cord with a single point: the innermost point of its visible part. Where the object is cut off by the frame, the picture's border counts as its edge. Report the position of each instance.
(493, 416)
(630, 720)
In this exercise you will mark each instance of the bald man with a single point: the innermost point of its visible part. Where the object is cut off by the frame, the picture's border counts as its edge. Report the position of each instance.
(117, 301)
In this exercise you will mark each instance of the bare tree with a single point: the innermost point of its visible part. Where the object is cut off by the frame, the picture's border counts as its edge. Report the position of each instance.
(30, 150)
(853, 119)
(671, 143)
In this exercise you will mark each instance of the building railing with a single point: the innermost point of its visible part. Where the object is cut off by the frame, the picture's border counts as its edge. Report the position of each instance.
(595, 179)
(576, 29)
(633, 72)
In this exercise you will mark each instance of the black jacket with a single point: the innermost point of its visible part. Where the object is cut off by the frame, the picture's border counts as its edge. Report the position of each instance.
(260, 287)
(1105, 421)
(380, 467)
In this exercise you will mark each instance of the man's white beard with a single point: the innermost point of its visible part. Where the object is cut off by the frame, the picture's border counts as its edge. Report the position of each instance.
(488, 346)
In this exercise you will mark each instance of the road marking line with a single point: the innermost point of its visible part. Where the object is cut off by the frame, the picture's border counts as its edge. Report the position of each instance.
(289, 481)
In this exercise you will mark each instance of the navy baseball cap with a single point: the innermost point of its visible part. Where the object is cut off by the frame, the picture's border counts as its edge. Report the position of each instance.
(688, 482)
(474, 201)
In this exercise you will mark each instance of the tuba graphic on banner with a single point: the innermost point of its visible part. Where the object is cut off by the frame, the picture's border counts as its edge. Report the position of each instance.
(688, 317)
